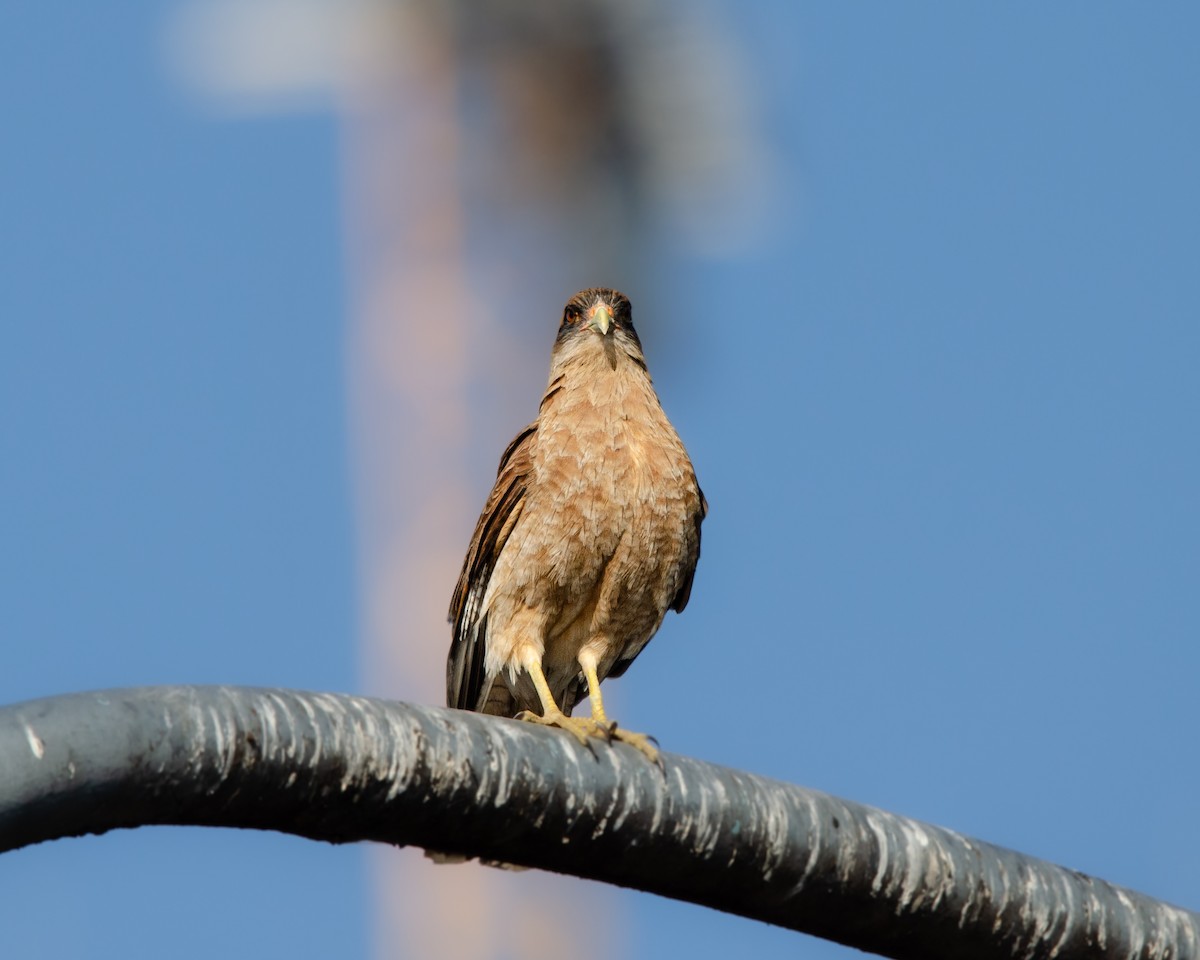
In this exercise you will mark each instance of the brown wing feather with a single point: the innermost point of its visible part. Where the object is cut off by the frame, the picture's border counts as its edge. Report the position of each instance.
(685, 589)
(466, 680)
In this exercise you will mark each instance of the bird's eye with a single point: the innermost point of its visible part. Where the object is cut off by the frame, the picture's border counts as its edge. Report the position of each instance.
(569, 316)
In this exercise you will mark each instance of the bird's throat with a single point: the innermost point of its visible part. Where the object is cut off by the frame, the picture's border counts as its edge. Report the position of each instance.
(610, 352)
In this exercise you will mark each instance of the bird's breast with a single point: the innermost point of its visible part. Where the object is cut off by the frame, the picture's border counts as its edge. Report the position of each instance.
(608, 531)
(611, 470)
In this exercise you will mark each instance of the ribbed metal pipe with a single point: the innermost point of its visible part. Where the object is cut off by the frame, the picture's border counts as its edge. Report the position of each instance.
(342, 769)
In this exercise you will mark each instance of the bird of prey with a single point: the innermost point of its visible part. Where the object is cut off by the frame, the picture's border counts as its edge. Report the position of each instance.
(590, 534)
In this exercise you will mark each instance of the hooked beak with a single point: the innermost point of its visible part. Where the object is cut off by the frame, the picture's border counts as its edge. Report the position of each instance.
(601, 317)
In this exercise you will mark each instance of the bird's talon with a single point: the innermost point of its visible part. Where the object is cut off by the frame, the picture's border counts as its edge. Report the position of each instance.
(641, 742)
(577, 728)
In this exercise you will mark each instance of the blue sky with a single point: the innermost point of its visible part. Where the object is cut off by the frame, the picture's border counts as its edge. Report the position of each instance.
(944, 412)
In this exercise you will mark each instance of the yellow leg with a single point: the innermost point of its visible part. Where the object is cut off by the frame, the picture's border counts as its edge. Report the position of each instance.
(593, 682)
(552, 715)
(640, 741)
(582, 728)
(543, 688)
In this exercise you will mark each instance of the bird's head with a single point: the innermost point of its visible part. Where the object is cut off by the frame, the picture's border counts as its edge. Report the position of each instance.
(604, 315)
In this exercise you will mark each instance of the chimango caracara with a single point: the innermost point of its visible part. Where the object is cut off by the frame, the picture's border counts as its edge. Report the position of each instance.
(589, 536)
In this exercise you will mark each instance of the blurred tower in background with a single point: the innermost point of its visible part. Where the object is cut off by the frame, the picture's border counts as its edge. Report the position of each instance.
(498, 156)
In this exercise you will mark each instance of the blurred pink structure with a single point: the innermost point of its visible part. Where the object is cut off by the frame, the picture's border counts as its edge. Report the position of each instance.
(498, 156)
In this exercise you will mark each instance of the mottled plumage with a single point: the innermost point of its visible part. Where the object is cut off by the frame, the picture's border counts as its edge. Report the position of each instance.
(590, 534)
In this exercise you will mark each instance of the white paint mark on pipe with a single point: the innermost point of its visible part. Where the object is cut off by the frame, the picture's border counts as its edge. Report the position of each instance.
(36, 745)
(882, 839)
(913, 879)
